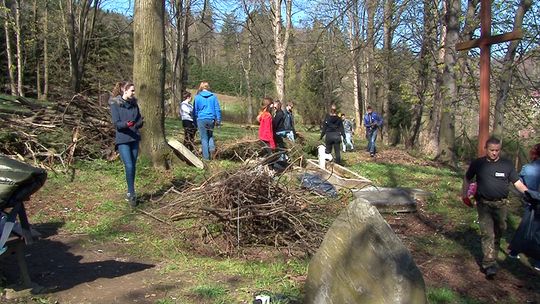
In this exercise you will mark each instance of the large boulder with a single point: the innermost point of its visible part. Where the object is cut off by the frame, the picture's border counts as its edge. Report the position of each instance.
(361, 260)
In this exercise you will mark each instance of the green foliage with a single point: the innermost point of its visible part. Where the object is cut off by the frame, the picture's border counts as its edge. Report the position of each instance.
(444, 295)
(227, 79)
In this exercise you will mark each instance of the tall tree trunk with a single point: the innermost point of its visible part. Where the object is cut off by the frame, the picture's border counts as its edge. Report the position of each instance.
(464, 119)
(149, 76)
(449, 89)
(46, 51)
(429, 137)
(370, 54)
(386, 66)
(281, 42)
(35, 44)
(19, 43)
(9, 51)
(354, 38)
(505, 78)
(181, 51)
(79, 21)
(246, 67)
(425, 70)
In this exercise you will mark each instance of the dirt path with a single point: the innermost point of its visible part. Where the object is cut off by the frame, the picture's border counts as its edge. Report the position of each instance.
(73, 270)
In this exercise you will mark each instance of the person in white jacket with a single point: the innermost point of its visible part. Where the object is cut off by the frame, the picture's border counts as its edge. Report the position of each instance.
(186, 114)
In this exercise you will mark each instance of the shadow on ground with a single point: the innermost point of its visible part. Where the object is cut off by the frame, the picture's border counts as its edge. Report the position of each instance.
(53, 265)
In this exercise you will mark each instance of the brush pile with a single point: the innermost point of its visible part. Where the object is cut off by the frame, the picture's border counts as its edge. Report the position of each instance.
(56, 133)
(251, 207)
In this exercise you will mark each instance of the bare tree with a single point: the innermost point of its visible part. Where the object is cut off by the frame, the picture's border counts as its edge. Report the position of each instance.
(19, 43)
(9, 52)
(281, 41)
(449, 87)
(425, 69)
(149, 76)
(505, 78)
(79, 21)
(180, 11)
(354, 51)
(247, 64)
(45, 51)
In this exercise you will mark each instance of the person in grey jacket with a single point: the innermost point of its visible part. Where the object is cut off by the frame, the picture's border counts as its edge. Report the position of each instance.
(127, 121)
(207, 114)
(186, 114)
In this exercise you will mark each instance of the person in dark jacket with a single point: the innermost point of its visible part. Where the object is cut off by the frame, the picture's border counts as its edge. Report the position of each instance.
(278, 125)
(332, 128)
(207, 114)
(127, 121)
(288, 122)
(373, 121)
(493, 174)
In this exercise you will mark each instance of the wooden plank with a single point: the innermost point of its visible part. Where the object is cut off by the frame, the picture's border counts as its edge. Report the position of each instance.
(466, 45)
(184, 152)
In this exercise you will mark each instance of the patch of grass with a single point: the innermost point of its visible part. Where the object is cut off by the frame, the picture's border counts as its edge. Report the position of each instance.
(444, 295)
(209, 291)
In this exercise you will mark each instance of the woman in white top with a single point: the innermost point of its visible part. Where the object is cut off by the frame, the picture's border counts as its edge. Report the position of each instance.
(186, 114)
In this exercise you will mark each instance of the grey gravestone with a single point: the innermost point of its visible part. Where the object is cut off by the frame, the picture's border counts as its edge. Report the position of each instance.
(361, 260)
(389, 200)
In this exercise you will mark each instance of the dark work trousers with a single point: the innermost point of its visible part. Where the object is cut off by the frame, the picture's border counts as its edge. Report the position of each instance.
(189, 134)
(492, 222)
(281, 146)
(333, 141)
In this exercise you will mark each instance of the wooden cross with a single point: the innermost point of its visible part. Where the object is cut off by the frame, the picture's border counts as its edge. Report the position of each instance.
(484, 42)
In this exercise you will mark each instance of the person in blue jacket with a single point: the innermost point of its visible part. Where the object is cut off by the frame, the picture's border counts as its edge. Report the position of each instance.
(127, 121)
(373, 121)
(530, 176)
(207, 114)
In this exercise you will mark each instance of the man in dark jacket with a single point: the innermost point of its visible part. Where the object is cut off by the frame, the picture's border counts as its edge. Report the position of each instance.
(493, 175)
(332, 128)
(372, 121)
(288, 123)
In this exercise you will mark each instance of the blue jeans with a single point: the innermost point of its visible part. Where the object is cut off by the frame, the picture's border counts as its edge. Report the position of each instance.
(372, 137)
(288, 134)
(206, 131)
(347, 141)
(128, 154)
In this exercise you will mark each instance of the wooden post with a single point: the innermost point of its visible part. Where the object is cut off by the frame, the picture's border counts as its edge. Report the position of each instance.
(484, 42)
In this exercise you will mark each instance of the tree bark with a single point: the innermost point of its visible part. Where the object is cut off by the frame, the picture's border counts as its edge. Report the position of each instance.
(180, 51)
(354, 43)
(370, 54)
(449, 87)
(425, 70)
(46, 51)
(505, 79)
(19, 43)
(281, 42)
(35, 38)
(9, 51)
(386, 67)
(149, 77)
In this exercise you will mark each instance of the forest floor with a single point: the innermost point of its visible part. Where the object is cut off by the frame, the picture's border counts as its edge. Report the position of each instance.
(74, 268)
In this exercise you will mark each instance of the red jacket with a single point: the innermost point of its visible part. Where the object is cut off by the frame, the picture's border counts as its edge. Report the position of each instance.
(266, 133)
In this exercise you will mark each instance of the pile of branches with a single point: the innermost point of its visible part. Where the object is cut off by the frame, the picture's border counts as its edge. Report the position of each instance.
(252, 207)
(56, 133)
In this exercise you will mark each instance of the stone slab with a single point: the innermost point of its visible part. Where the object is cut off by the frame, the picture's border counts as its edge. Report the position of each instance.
(391, 200)
(187, 155)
